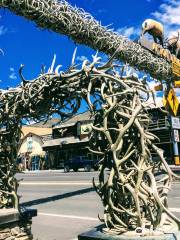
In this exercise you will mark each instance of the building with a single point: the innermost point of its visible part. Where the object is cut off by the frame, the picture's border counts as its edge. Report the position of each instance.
(163, 127)
(70, 139)
(33, 137)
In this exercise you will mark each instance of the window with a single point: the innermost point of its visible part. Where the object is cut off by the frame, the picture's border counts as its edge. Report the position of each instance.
(29, 144)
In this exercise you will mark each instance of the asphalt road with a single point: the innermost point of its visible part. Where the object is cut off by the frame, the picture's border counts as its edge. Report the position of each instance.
(67, 205)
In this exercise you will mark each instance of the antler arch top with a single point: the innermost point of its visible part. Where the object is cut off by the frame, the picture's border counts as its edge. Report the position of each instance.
(61, 17)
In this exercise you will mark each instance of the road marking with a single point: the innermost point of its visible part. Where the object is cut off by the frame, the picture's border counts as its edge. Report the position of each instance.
(175, 209)
(57, 183)
(84, 218)
(68, 216)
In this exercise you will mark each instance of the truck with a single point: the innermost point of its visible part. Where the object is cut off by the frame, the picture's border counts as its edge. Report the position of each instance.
(80, 162)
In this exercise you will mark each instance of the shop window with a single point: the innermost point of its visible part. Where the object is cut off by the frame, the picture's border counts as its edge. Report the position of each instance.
(29, 143)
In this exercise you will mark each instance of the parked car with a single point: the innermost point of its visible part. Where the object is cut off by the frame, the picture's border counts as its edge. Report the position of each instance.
(80, 162)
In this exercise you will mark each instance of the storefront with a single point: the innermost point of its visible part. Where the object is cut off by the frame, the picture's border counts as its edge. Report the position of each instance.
(70, 139)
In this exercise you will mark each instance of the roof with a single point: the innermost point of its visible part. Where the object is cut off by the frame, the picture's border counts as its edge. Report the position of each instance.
(63, 141)
(28, 134)
(35, 130)
(85, 116)
(44, 124)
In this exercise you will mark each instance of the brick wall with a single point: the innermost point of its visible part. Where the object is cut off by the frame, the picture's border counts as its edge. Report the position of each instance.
(16, 231)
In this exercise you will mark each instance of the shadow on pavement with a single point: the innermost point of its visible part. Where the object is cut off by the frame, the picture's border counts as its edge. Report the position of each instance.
(56, 197)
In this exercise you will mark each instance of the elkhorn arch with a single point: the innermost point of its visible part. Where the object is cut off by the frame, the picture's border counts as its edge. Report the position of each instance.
(132, 197)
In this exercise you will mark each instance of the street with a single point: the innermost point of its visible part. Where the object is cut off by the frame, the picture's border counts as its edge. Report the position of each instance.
(67, 204)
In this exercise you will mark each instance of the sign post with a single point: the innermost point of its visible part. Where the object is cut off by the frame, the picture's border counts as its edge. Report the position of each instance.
(171, 103)
(175, 124)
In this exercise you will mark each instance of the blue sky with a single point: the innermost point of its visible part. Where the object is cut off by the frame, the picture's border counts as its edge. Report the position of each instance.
(23, 43)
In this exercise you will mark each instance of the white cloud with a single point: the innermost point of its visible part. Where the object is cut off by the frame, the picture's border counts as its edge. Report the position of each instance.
(158, 101)
(128, 31)
(152, 84)
(102, 10)
(169, 14)
(12, 74)
(3, 30)
(81, 58)
(30, 122)
(177, 91)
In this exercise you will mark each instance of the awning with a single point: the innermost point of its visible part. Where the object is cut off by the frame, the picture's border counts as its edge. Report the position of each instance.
(63, 141)
(35, 153)
(52, 142)
(62, 125)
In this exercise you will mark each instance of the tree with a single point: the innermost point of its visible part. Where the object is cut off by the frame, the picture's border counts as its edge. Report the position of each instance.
(61, 17)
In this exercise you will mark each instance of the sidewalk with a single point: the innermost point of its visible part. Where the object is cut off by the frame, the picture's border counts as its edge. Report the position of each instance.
(43, 171)
(173, 168)
(54, 170)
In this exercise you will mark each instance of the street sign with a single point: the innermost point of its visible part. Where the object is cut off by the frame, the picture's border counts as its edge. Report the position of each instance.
(173, 101)
(177, 84)
(176, 135)
(158, 87)
(176, 68)
(86, 129)
(175, 122)
(163, 53)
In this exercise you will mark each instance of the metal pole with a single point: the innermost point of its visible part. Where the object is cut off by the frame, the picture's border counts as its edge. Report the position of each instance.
(176, 153)
(175, 138)
(174, 129)
(176, 149)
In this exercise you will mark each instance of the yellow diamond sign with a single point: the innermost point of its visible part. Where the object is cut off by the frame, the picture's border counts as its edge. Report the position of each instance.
(176, 67)
(173, 101)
